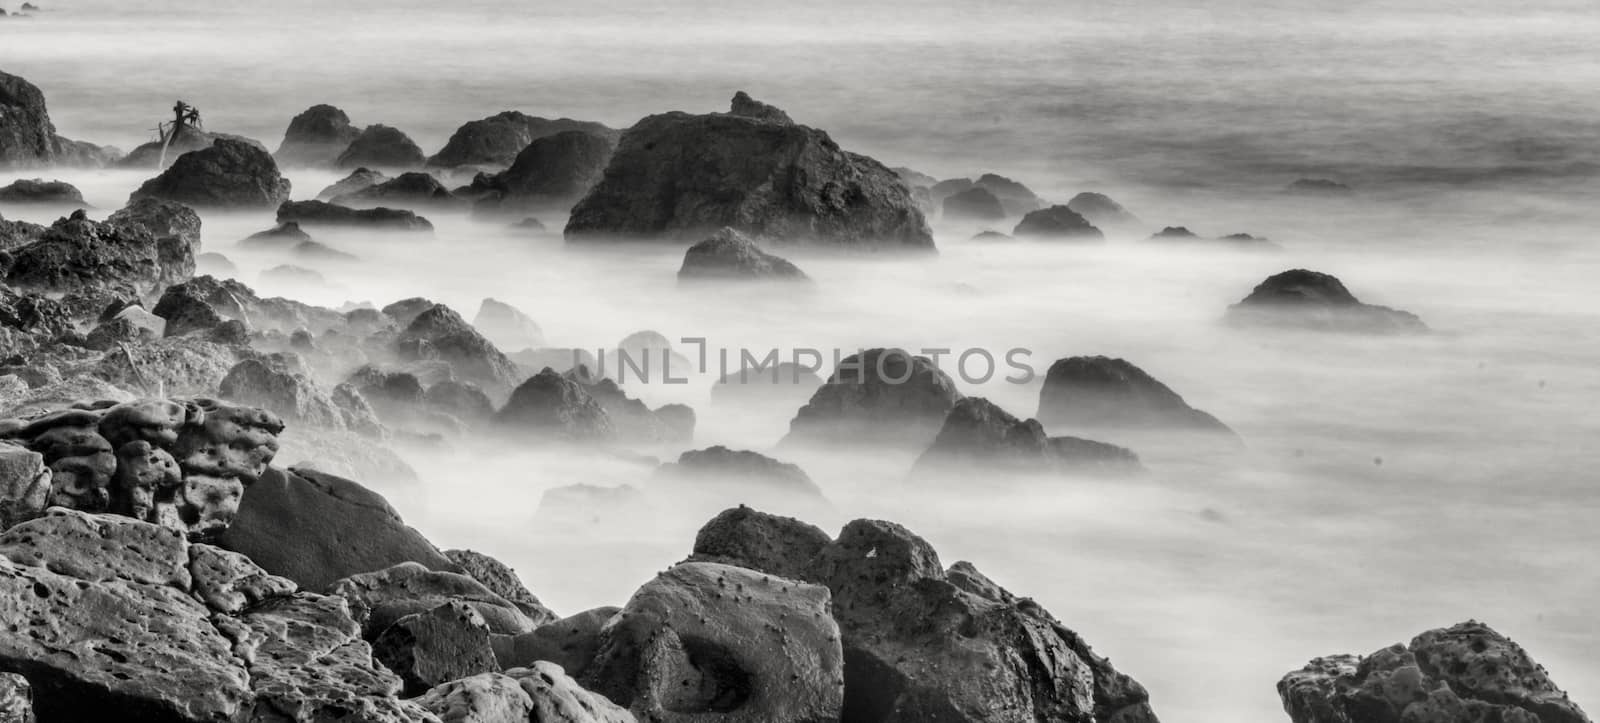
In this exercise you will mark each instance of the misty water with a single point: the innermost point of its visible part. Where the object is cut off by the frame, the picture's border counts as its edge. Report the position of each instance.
(1389, 485)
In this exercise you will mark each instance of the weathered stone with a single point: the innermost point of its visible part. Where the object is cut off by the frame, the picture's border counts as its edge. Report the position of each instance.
(280, 384)
(229, 582)
(16, 696)
(1016, 198)
(161, 218)
(440, 333)
(379, 598)
(1056, 223)
(1104, 213)
(316, 137)
(746, 537)
(498, 139)
(413, 189)
(103, 260)
(229, 174)
(358, 180)
(24, 484)
(430, 648)
(483, 698)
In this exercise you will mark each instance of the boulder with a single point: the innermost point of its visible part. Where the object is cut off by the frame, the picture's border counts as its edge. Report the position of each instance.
(552, 172)
(230, 174)
(315, 529)
(730, 255)
(412, 189)
(279, 383)
(186, 139)
(974, 204)
(948, 187)
(283, 236)
(133, 326)
(99, 260)
(1057, 223)
(1174, 233)
(185, 311)
(380, 598)
(570, 642)
(316, 137)
(358, 180)
(463, 400)
(633, 419)
(380, 146)
(541, 692)
(25, 488)
(880, 396)
(503, 581)
(38, 190)
(27, 137)
(745, 537)
(440, 333)
(1103, 393)
(1099, 210)
(704, 639)
(434, 647)
(161, 219)
(405, 311)
(554, 406)
(737, 471)
(1466, 672)
(498, 139)
(1317, 301)
(977, 434)
(680, 176)
(321, 213)
(506, 326)
(1016, 198)
(215, 264)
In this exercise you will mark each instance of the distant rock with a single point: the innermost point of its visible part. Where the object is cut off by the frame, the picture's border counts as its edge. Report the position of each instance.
(979, 435)
(380, 146)
(229, 174)
(316, 137)
(27, 137)
(1104, 213)
(914, 178)
(282, 237)
(679, 176)
(739, 471)
(413, 189)
(550, 405)
(552, 172)
(881, 396)
(40, 191)
(563, 360)
(948, 187)
(1099, 392)
(321, 213)
(1466, 672)
(214, 264)
(440, 333)
(1318, 187)
(1248, 241)
(358, 180)
(991, 236)
(974, 204)
(291, 275)
(186, 139)
(280, 384)
(530, 226)
(1174, 233)
(1057, 223)
(507, 327)
(1017, 198)
(1317, 301)
(1182, 235)
(498, 139)
(731, 256)
(634, 420)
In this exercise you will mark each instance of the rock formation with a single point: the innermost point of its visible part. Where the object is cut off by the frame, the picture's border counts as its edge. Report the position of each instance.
(229, 174)
(380, 146)
(731, 256)
(498, 139)
(1314, 300)
(316, 137)
(321, 213)
(1056, 223)
(880, 396)
(552, 172)
(1103, 393)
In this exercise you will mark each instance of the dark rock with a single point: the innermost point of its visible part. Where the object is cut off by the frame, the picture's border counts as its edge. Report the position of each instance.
(506, 326)
(1174, 233)
(405, 311)
(1318, 301)
(229, 174)
(430, 648)
(186, 311)
(1100, 210)
(161, 218)
(380, 598)
(133, 326)
(379, 146)
(496, 140)
(682, 176)
(79, 256)
(320, 213)
(744, 105)
(554, 406)
(316, 137)
(1466, 672)
(633, 420)
(977, 434)
(570, 642)
(552, 172)
(440, 333)
(975, 204)
(949, 187)
(38, 190)
(745, 537)
(503, 581)
(699, 641)
(463, 400)
(411, 189)
(186, 139)
(1057, 223)
(14, 234)
(881, 396)
(1103, 393)
(358, 180)
(730, 255)
(991, 236)
(1318, 187)
(25, 489)
(27, 137)
(1015, 197)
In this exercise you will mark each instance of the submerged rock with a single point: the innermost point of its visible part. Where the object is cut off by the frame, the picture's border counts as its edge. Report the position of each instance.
(320, 213)
(881, 396)
(678, 176)
(229, 174)
(730, 255)
(1104, 393)
(551, 172)
(38, 190)
(316, 137)
(1317, 301)
(977, 434)
(973, 204)
(1318, 187)
(1057, 223)
(380, 146)
(498, 139)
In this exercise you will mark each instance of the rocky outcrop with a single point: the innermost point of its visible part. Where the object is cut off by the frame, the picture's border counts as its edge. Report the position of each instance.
(744, 105)
(551, 173)
(503, 581)
(38, 190)
(977, 434)
(229, 174)
(18, 233)
(27, 137)
(1056, 223)
(973, 204)
(681, 176)
(77, 256)
(506, 326)
(1466, 672)
(161, 219)
(539, 693)
(553, 406)
(316, 137)
(280, 384)
(380, 146)
(1317, 301)
(498, 139)
(440, 333)
(358, 180)
(321, 213)
(407, 190)
(1103, 393)
(880, 396)
(731, 256)
(1104, 213)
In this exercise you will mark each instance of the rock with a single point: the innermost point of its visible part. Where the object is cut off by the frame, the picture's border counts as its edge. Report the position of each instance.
(498, 139)
(279, 384)
(1104, 213)
(745, 537)
(501, 579)
(27, 137)
(1015, 197)
(316, 137)
(570, 642)
(463, 400)
(186, 312)
(681, 176)
(286, 235)
(634, 421)
(128, 327)
(320, 213)
(1103, 393)
(979, 434)
(16, 696)
(379, 146)
(230, 174)
(1245, 240)
(530, 361)
(1318, 187)
(413, 189)
(1317, 301)
(880, 396)
(914, 178)
(506, 326)
(79, 256)
(592, 508)
(991, 236)
(1056, 223)
(484, 698)
(974, 204)
(315, 528)
(744, 105)
(186, 139)
(529, 225)
(405, 311)
(359, 180)
(1174, 233)
(440, 333)
(742, 472)
(291, 275)
(704, 639)
(380, 598)
(1466, 672)
(430, 648)
(949, 187)
(214, 264)
(14, 234)
(541, 692)
(24, 487)
(730, 255)
(161, 218)
(554, 406)
(38, 190)
(552, 172)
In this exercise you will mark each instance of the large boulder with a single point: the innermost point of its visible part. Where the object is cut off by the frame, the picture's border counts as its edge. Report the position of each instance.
(1466, 672)
(974, 204)
(38, 190)
(1097, 392)
(316, 137)
(680, 176)
(77, 256)
(500, 578)
(380, 598)
(229, 174)
(554, 406)
(380, 146)
(25, 488)
(322, 213)
(731, 256)
(552, 172)
(979, 435)
(539, 693)
(430, 648)
(1056, 223)
(1015, 197)
(440, 333)
(747, 537)
(498, 139)
(1314, 300)
(880, 396)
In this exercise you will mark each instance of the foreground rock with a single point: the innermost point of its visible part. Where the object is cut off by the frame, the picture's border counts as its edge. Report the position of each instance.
(681, 176)
(979, 435)
(1057, 223)
(38, 190)
(380, 146)
(320, 213)
(27, 137)
(98, 261)
(1103, 393)
(316, 137)
(498, 139)
(1317, 301)
(552, 172)
(229, 174)
(881, 396)
(539, 693)
(731, 256)
(1466, 672)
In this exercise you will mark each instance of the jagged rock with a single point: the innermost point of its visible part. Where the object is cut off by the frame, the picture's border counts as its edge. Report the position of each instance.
(315, 528)
(1318, 301)
(730, 255)
(186, 312)
(880, 396)
(405, 311)
(506, 326)
(24, 485)
(320, 213)
(745, 537)
(279, 383)
(430, 648)
(707, 639)
(1015, 197)
(380, 146)
(1466, 672)
(552, 172)
(103, 260)
(484, 698)
(358, 180)
(16, 696)
(681, 176)
(1056, 223)
(38, 190)
(234, 301)
(1104, 393)
(974, 204)
(570, 642)
(161, 218)
(440, 333)
(27, 137)
(744, 105)
(1104, 213)
(1318, 187)
(498, 139)
(316, 137)
(744, 473)
(380, 598)
(979, 434)
(407, 190)
(14, 234)
(229, 174)
(501, 579)
(554, 406)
